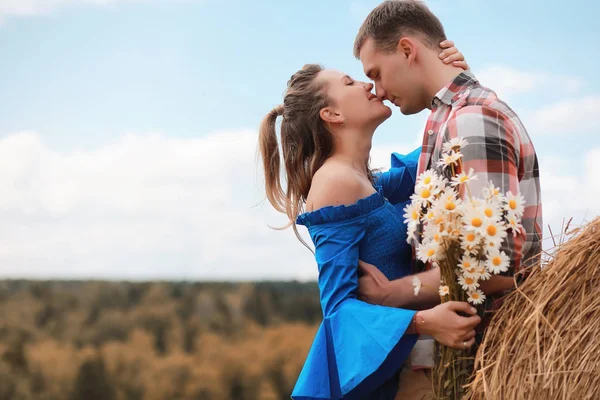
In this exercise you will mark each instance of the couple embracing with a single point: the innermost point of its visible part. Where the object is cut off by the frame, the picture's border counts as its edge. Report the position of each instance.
(375, 338)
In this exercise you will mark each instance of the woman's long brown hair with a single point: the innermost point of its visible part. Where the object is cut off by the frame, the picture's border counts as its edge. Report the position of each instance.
(305, 143)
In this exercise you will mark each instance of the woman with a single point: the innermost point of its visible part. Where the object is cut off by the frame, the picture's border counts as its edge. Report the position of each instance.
(328, 123)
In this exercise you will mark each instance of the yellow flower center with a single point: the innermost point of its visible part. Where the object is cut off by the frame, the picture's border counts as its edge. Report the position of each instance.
(415, 215)
(430, 253)
(436, 237)
(470, 237)
(475, 296)
(496, 261)
(488, 212)
(467, 264)
(469, 281)
(450, 206)
(491, 230)
(427, 180)
(512, 204)
(464, 178)
(471, 270)
(476, 222)
(425, 193)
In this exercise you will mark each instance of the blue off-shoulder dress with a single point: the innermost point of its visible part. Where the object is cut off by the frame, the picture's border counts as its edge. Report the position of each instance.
(360, 348)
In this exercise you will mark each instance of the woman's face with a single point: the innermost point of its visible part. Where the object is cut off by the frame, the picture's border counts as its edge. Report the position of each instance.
(353, 100)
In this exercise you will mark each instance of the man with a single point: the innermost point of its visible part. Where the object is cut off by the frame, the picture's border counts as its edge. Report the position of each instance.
(397, 47)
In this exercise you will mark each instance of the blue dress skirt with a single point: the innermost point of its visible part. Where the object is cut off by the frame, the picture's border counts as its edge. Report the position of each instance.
(360, 348)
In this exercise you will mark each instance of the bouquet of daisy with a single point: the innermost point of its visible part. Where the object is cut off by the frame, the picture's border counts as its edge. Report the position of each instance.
(461, 233)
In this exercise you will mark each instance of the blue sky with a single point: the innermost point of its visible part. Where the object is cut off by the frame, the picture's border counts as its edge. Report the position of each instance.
(117, 82)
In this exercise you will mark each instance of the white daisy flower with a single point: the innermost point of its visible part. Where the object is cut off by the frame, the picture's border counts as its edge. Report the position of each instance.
(491, 211)
(467, 262)
(497, 262)
(493, 232)
(432, 232)
(429, 216)
(476, 297)
(449, 203)
(483, 273)
(469, 241)
(422, 196)
(515, 204)
(469, 267)
(412, 232)
(416, 284)
(428, 178)
(412, 213)
(449, 159)
(491, 192)
(514, 224)
(467, 283)
(444, 290)
(464, 178)
(455, 144)
(473, 219)
(428, 251)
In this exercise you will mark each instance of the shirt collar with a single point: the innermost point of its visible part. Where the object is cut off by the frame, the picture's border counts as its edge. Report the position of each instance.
(449, 93)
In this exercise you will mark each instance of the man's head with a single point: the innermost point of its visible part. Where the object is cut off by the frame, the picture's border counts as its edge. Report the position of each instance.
(395, 44)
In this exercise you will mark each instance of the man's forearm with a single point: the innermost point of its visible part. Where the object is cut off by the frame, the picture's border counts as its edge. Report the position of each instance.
(400, 292)
(497, 283)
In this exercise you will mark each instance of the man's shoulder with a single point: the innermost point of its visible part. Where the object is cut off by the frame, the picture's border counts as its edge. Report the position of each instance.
(479, 99)
(481, 104)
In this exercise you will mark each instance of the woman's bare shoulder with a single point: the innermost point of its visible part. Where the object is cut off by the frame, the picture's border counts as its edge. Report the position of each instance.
(335, 184)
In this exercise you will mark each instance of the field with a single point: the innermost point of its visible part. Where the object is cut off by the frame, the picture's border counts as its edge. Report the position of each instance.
(154, 340)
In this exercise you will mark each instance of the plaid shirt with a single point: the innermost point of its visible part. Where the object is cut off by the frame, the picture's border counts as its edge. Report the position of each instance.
(499, 150)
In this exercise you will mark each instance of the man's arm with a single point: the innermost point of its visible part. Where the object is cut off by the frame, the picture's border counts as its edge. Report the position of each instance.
(375, 288)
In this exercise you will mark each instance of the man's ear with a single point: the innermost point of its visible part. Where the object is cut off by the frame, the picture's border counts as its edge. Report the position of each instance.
(407, 48)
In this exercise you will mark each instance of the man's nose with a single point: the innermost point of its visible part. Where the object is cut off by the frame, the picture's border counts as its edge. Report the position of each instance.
(381, 94)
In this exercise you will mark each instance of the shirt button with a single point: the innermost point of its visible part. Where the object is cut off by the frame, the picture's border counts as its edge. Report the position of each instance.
(430, 132)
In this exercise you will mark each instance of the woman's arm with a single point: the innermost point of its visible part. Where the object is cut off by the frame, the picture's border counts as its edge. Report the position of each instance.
(337, 253)
(451, 54)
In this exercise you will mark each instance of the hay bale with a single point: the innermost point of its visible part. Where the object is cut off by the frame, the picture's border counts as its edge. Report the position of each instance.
(544, 342)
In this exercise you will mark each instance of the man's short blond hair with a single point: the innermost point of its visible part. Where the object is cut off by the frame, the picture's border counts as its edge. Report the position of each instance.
(394, 19)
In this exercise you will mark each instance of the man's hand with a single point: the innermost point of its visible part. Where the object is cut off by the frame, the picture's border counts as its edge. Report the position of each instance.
(373, 285)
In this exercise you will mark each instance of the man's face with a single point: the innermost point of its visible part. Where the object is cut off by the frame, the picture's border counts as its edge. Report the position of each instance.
(394, 77)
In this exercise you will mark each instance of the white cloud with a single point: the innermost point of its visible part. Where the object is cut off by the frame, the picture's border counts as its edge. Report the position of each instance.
(145, 206)
(507, 81)
(152, 206)
(566, 117)
(569, 195)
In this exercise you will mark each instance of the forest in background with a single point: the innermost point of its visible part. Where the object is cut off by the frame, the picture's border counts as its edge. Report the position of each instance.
(98, 340)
